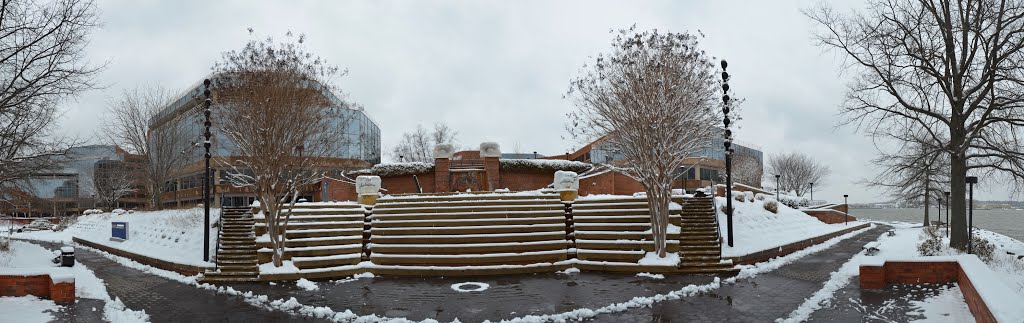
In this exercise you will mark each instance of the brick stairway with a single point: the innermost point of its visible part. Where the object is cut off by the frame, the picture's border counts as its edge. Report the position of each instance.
(236, 250)
(613, 234)
(700, 247)
(319, 235)
(464, 234)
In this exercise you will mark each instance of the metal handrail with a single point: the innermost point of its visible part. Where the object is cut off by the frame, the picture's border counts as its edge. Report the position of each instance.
(714, 204)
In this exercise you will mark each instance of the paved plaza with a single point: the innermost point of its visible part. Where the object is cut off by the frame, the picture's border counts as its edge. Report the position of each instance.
(765, 297)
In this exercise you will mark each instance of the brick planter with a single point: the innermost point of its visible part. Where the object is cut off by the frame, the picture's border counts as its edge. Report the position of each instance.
(38, 285)
(876, 274)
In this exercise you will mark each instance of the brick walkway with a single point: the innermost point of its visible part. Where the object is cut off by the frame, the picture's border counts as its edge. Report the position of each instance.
(763, 298)
(891, 304)
(163, 299)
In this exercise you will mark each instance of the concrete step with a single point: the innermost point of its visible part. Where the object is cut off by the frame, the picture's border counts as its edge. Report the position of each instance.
(437, 208)
(317, 241)
(609, 212)
(631, 256)
(612, 226)
(469, 238)
(462, 197)
(318, 251)
(474, 260)
(379, 223)
(386, 205)
(326, 261)
(310, 233)
(610, 235)
(557, 227)
(469, 248)
(646, 245)
(468, 215)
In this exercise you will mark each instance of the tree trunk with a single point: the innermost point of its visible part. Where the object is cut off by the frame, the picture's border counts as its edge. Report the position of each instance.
(958, 201)
(926, 198)
(658, 199)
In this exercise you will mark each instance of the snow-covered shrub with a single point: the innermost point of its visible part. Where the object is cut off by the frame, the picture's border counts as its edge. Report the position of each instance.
(931, 242)
(771, 206)
(118, 211)
(543, 165)
(794, 202)
(396, 169)
(749, 195)
(92, 211)
(739, 197)
(759, 196)
(5, 244)
(982, 248)
(567, 181)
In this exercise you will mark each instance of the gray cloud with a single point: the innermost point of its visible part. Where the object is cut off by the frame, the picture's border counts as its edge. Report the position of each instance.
(496, 71)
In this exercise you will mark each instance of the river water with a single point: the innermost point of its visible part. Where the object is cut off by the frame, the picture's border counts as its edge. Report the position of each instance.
(1007, 222)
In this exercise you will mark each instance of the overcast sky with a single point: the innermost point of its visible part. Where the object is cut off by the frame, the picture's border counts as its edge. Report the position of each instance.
(496, 71)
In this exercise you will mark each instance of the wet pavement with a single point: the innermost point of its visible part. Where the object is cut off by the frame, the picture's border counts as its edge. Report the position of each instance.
(763, 298)
(84, 310)
(892, 304)
(166, 300)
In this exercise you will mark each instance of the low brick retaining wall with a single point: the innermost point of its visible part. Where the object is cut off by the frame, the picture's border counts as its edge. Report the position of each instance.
(829, 216)
(186, 270)
(768, 254)
(42, 286)
(974, 278)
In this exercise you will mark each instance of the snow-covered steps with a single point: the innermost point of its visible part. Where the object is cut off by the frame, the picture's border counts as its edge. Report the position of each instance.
(318, 235)
(468, 230)
(700, 245)
(236, 251)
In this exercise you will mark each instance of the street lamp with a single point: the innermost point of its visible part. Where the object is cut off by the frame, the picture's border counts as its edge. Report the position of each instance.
(846, 216)
(970, 213)
(812, 192)
(535, 155)
(940, 210)
(777, 176)
(727, 144)
(947, 214)
(206, 176)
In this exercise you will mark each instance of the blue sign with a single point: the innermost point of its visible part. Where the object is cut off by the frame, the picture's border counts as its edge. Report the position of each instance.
(119, 231)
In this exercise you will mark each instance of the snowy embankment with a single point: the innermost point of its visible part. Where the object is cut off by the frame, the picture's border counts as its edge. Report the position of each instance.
(757, 229)
(170, 235)
(903, 246)
(25, 258)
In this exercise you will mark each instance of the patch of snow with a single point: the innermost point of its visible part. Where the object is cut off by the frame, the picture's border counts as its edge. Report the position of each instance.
(470, 287)
(568, 271)
(948, 305)
(756, 229)
(650, 275)
(652, 259)
(306, 284)
(26, 309)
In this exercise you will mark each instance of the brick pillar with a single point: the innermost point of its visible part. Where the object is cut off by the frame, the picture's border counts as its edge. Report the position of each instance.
(441, 176)
(493, 173)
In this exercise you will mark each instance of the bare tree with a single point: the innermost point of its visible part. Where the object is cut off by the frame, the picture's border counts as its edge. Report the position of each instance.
(128, 126)
(418, 146)
(273, 103)
(798, 171)
(653, 97)
(917, 173)
(42, 63)
(108, 181)
(746, 169)
(951, 69)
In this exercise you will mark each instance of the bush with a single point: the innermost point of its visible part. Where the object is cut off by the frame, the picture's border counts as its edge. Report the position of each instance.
(5, 244)
(982, 248)
(396, 169)
(931, 243)
(795, 202)
(749, 195)
(771, 206)
(739, 197)
(543, 165)
(759, 196)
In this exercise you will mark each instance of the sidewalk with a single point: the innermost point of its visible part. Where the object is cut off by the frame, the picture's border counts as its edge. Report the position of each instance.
(163, 299)
(763, 298)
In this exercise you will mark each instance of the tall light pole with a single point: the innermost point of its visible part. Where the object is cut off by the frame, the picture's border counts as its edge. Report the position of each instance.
(206, 177)
(777, 177)
(728, 151)
(940, 209)
(947, 214)
(846, 217)
(812, 192)
(971, 180)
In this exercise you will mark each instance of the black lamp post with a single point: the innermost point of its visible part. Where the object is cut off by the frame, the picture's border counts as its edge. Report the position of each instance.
(206, 177)
(566, 156)
(777, 176)
(947, 214)
(728, 151)
(812, 192)
(846, 216)
(535, 155)
(940, 210)
(971, 180)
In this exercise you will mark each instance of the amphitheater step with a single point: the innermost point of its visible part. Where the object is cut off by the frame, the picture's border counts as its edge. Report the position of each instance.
(326, 261)
(468, 215)
(475, 259)
(469, 248)
(470, 238)
(469, 230)
(558, 219)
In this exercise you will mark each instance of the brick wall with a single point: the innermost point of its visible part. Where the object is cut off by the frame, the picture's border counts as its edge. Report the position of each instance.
(37, 285)
(492, 168)
(525, 181)
(932, 272)
(441, 175)
(830, 216)
(340, 191)
(406, 183)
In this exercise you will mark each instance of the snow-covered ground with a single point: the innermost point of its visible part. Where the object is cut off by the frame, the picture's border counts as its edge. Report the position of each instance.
(756, 229)
(28, 258)
(903, 246)
(171, 235)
